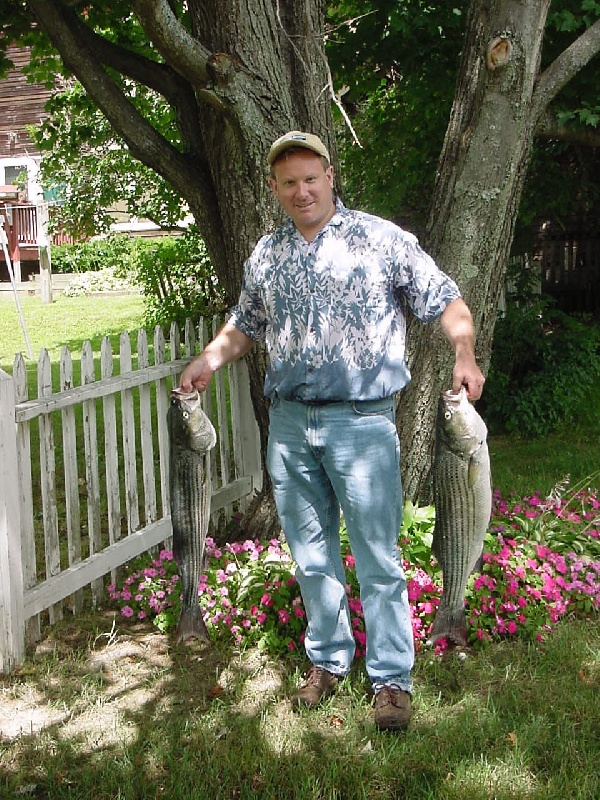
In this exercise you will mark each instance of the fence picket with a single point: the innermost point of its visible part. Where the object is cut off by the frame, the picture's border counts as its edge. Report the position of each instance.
(162, 404)
(223, 422)
(71, 471)
(92, 475)
(146, 444)
(48, 480)
(129, 449)
(111, 450)
(12, 612)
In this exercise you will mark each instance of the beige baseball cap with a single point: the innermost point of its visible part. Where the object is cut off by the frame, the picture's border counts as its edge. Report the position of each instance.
(297, 139)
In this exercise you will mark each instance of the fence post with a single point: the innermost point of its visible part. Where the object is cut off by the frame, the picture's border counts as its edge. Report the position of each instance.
(12, 622)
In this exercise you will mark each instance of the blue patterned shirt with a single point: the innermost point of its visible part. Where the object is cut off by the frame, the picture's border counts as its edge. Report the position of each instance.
(331, 311)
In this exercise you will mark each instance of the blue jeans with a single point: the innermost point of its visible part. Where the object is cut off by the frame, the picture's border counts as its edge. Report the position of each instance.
(321, 457)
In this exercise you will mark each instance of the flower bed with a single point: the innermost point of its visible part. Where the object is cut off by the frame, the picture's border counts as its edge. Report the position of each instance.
(541, 562)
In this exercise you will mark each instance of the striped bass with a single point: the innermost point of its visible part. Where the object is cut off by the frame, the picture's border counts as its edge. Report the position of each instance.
(191, 437)
(462, 491)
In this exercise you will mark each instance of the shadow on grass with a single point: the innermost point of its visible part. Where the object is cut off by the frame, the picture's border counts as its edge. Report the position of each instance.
(142, 719)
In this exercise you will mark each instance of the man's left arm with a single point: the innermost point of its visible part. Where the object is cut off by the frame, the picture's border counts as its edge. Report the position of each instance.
(457, 324)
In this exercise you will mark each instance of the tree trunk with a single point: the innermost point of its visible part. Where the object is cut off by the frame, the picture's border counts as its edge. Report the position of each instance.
(480, 177)
(275, 87)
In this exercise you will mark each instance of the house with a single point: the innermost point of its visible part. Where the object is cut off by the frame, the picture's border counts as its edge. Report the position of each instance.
(21, 104)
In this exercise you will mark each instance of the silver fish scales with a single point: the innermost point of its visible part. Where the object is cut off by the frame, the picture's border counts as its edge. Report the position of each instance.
(191, 437)
(463, 504)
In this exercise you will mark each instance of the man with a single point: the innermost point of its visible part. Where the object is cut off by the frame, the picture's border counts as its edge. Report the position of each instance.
(326, 292)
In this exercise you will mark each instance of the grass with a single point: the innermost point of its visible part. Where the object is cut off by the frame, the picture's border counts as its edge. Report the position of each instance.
(127, 715)
(67, 321)
(513, 721)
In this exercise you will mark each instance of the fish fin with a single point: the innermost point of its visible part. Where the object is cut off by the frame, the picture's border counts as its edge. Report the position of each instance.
(478, 567)
(191, 626)
(473, 473)
(451, 625)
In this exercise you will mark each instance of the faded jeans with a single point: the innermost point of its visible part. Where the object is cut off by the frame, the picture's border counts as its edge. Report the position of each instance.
(321, 457)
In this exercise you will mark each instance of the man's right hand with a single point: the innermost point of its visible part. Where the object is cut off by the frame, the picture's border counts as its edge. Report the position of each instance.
(196, 375)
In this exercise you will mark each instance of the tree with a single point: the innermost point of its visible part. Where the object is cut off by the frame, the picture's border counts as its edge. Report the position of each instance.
(234, 75)
(500, 101)
(398, 63)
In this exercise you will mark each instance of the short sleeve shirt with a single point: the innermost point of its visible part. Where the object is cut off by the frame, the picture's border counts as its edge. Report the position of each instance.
(332, 311)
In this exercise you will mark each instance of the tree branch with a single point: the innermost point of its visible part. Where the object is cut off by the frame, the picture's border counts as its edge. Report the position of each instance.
(64, 30)
(188, 56)
(563, 68)
(159, 77)
(549, 128)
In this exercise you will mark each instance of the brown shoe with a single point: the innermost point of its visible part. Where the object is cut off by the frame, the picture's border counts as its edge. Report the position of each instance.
(319, 684)
(392, 709)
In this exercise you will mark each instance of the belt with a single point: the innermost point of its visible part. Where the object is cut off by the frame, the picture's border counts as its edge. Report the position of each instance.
(320, 402)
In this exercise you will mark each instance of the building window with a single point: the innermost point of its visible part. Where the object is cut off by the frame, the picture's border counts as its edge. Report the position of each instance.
(11, 173)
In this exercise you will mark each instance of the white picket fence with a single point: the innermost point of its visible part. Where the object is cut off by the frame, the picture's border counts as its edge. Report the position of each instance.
(102, 495)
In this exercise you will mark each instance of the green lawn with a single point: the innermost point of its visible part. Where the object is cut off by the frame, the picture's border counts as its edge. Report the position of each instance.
(67, 321)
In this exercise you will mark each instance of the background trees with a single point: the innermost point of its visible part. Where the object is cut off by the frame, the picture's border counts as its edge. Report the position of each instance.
(198, 90)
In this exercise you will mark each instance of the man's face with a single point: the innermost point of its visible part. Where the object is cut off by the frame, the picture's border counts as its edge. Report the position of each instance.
(305, 190)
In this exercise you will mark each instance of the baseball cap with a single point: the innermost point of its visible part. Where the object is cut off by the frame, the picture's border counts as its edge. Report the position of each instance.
(297, 139)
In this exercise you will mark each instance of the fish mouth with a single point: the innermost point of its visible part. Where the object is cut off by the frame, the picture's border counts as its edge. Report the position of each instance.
(180, 394)
(452, 398)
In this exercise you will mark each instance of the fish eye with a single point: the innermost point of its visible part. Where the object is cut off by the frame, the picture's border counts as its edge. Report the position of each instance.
(185, 414)
(447, 415)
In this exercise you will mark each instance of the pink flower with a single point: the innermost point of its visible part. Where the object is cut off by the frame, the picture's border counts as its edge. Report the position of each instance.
(127, 611)
(283, 615)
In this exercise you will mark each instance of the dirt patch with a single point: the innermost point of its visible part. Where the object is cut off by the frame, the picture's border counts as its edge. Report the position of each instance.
(91, 685)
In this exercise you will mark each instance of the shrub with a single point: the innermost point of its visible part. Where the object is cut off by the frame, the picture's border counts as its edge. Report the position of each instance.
(544, 363)
(177, 279)
(174, 273)
(113, 251)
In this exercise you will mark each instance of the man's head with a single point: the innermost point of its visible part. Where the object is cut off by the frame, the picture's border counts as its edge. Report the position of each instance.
(302, 180)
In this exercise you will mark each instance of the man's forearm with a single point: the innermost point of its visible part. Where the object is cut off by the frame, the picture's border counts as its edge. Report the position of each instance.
(457, 324)
(228, 345)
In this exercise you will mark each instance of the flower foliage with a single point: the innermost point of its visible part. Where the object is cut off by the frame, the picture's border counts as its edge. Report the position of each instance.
(541, 561)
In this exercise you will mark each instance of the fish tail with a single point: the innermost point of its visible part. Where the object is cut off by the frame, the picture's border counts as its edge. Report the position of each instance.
(191, 625)
(449, 624)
